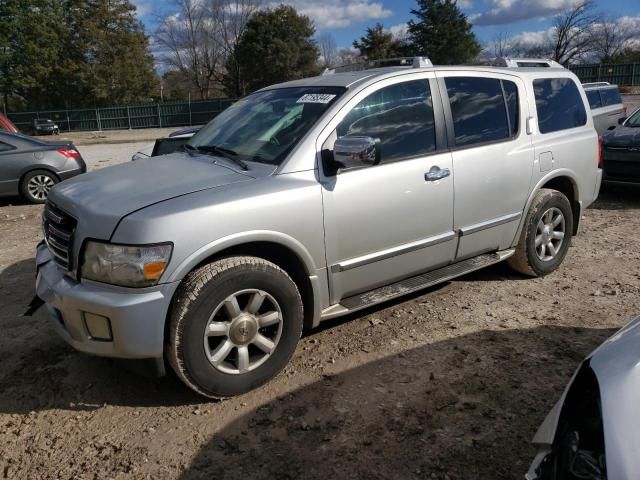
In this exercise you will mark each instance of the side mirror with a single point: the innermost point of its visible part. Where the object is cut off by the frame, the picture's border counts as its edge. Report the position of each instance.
(622, 120)
(356, 152)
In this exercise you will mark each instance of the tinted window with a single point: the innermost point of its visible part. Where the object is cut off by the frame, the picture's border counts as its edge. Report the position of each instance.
(511, 96)
(594, 98)
(478, 110)
(610, 96)
(5, 146)
(559, 104)
(400, 115)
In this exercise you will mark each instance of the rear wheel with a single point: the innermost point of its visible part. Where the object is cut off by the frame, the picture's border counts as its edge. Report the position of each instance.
(546, 235)
(35, 185)
(234, 325)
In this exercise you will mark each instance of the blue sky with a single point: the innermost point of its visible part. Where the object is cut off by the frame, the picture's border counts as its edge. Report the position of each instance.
(347, 19)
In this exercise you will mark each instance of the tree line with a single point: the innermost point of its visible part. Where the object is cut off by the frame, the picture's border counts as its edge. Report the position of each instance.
(86, 53)
(73, 53)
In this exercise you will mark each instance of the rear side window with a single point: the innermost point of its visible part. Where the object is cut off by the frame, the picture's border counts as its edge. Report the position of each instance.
(483, 109)
(610, 96)
(4, 147)
(559, 104)
(400, 115)
(594, 99)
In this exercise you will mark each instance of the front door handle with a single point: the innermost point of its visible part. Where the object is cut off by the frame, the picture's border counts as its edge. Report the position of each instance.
(436, 173)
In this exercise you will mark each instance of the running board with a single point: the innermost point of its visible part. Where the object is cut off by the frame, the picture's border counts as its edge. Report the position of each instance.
(413, 284)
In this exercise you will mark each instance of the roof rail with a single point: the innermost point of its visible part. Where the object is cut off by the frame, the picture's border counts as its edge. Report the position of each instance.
(595, 84)
(527, 62)
(414, 62)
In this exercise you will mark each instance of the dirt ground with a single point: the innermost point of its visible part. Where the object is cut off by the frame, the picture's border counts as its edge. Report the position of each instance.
(450, 383)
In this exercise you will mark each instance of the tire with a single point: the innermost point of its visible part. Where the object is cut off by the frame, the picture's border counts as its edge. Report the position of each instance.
(35, 185)
(534, 257)
(203, 304)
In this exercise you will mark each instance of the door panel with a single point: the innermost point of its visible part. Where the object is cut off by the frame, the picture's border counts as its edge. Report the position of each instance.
(389, 221)
(11, 165)
(492, 159)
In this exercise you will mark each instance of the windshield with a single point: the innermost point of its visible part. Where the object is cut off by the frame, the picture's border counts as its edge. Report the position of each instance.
(43, 122)
(265, 126)
(634, 120)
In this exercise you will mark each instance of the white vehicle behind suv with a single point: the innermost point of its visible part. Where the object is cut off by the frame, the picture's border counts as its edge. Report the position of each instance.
(310, 200)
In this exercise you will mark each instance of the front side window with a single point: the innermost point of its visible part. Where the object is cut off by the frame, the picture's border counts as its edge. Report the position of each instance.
(400, 115)
(610, 96)
(559, 104)
(266, 126)
(594, 99)
(480, 109)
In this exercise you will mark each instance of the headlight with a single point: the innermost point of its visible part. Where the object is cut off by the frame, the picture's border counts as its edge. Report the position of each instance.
(125, 265)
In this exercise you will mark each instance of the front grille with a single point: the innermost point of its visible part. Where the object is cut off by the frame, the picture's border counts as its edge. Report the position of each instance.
(58, 228)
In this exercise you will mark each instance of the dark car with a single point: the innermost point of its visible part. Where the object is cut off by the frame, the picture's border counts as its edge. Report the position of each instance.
(45, 126)
(621, 152)
(30, 167)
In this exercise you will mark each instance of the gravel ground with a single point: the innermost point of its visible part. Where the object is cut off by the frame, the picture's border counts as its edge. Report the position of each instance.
(450, 383)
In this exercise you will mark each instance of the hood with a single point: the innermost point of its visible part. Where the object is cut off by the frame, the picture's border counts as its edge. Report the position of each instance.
(622, 137)
(100, 199)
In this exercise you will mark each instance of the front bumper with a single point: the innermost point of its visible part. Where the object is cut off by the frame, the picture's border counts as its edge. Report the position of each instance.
(136, 316)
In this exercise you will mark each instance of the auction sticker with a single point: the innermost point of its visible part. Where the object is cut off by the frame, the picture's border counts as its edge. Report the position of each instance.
(316, 98)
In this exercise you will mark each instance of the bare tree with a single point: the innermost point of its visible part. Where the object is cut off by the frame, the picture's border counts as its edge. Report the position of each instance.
(328, 50)
(193, 44)
(609, 38)
(572, 33)
(502, 45)
(199, 39)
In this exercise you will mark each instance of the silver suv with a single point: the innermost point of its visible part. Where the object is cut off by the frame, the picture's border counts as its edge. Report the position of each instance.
(310, 200)
(606, 105)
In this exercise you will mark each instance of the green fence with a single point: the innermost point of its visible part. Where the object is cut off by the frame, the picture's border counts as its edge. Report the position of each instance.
(150, 115)
(627, 74)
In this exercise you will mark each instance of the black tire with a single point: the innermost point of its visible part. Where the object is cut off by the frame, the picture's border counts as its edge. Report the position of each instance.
(200, 294)
(527, 260)
(28, 194)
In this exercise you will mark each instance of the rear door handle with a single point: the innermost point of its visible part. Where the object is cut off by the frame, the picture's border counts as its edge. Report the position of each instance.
(436, 173)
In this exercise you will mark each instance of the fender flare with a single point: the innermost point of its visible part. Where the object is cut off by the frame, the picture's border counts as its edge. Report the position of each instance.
(238, 239)
(562, 172)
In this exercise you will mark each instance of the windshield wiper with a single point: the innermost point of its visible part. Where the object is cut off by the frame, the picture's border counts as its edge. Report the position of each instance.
(221, 151)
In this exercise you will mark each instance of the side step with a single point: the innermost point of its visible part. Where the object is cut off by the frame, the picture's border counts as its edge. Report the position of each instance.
(413, 284)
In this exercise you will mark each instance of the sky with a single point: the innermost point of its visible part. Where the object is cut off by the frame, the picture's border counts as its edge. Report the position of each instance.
(346, 20)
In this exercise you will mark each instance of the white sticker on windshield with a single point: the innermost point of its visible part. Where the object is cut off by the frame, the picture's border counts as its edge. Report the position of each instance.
(316, 98)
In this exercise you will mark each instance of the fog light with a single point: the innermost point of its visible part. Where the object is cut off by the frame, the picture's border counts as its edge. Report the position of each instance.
(99, 327)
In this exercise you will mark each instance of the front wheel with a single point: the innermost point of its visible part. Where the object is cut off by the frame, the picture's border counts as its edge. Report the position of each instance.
(546, 235)
(35, 185)
(234, 325)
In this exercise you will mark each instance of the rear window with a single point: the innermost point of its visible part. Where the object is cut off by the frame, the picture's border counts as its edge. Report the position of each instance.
(610, 96)
(559, 104)
(594, 98)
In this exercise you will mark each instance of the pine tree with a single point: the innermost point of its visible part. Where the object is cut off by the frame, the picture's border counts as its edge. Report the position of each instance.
(276, 46)
(379, 44)
(442, 33)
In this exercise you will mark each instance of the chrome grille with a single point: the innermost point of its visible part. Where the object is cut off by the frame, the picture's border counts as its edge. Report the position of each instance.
(58, 228)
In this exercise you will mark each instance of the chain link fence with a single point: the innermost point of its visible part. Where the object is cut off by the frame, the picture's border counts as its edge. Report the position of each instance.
(151, 115)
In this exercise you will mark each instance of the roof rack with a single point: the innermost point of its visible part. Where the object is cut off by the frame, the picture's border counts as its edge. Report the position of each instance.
(527, 62)
(596, 84)
(413, 62)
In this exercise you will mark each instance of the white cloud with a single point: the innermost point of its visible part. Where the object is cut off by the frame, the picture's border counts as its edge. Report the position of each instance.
(143, 7)
(399, 31)
(465, 4)
(511, 11)
(339, 13)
